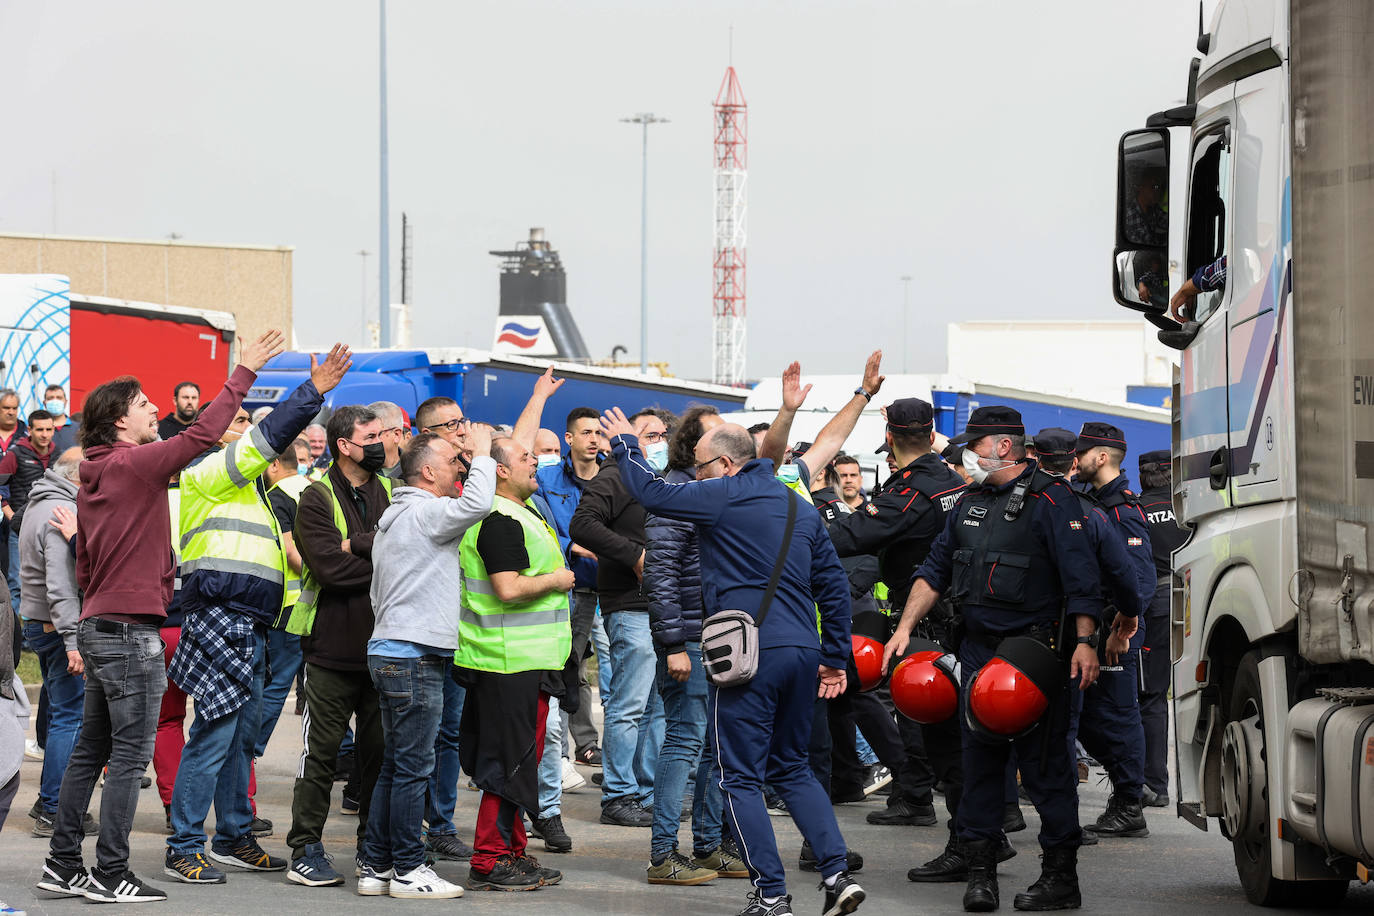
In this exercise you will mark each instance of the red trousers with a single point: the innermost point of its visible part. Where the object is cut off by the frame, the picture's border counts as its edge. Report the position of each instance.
(171, 725)
(500, 823)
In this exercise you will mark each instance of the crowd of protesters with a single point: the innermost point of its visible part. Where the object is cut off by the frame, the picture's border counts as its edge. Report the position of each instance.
(435, 589)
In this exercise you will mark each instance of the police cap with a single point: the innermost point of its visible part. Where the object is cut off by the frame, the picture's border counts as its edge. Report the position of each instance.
(1094, 434)
(1053, 442)
(911, 415)
(990, 421)
(882, 449)
(1156, 459)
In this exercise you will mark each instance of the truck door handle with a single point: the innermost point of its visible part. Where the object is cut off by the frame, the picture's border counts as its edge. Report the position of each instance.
(1220, 468)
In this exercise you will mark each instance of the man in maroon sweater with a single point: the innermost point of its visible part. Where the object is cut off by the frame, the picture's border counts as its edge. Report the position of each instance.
(124, 567)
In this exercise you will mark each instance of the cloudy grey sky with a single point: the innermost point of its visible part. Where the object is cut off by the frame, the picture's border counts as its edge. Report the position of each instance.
(968, 144)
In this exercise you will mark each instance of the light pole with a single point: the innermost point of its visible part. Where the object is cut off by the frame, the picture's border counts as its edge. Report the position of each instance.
(363, 337)
(384, 243)
(906, 316)
(645, 119)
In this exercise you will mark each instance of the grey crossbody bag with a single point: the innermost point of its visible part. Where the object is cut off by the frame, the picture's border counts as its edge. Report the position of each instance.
(730, 639)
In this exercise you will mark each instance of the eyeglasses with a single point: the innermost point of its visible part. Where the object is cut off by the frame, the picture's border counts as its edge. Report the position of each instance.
(450, 425)
(654, 437)
(706, 464)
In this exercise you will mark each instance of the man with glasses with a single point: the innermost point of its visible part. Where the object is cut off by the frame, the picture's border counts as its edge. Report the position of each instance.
(610, 523)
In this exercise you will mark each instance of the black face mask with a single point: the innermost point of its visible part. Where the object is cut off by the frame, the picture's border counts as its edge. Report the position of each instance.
(374, 456)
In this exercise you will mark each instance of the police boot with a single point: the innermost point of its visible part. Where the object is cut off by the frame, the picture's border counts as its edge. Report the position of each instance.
(1057, 887)
(981, 895)
(948, 866)
(1123, 818)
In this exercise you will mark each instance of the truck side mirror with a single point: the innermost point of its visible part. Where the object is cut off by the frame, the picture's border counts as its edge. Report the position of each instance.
(1140, 263)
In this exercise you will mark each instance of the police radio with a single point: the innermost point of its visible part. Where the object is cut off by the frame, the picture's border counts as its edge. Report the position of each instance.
(1017, 501)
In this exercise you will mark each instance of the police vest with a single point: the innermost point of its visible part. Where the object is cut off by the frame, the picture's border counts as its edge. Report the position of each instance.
(228, 535)
(1000, 562)
(941, 491)
(302, 615)
(293, 487)
(506, 638)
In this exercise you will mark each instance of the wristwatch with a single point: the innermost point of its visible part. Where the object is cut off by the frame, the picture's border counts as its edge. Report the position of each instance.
(1090, 641)
(866, 395)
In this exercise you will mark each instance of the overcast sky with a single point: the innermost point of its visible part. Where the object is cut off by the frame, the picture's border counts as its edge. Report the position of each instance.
(968, 144)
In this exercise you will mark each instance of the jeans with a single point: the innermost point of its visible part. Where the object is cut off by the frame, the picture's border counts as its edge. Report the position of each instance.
(443, 785)
(66, 697)
(12, 574)
(283, 663)
(125, 679)
(628, 772)
(215, 767)
(551, 764)
(684, 740)
(410, 694)
(601, 645)
(867, 756)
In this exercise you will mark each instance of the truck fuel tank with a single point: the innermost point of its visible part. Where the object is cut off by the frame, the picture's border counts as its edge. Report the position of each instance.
(1329, 756)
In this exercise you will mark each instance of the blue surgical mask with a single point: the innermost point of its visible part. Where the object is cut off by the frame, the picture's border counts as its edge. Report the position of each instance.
(656, 453)
(789, 473)
(549, 460)
(303, 470)
(55, 407)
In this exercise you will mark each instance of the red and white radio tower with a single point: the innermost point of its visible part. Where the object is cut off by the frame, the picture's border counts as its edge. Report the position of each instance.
(728, 275)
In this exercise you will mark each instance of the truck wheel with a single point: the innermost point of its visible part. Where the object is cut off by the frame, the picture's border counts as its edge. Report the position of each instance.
(1245, 803)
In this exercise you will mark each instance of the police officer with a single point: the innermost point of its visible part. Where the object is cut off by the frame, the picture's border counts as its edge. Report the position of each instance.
(1015, 555)
(1109, 724)
(1165, 537)
(898, 526)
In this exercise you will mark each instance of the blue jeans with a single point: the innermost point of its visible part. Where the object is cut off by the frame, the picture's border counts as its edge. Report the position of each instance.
(601, 645)
(215, 767)
(442, 798)
(66, 697)
(125, 679)
(283, 664)
(627, 773)
(12, 578)
(684, 739)
(551, 764)
(410, 693)
(867, 756)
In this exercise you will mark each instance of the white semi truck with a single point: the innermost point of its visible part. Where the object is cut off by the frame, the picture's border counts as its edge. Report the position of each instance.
(1273, 431)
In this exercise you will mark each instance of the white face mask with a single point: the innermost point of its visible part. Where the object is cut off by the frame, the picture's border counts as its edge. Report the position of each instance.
(656, 453)
(549, 460)
(973, 463)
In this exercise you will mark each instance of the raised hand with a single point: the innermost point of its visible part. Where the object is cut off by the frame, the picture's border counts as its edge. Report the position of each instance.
(256, 354)
(793, 394)
(326, 375)
(873, 378)
(477, 441)
(547, 385)
(614, 423)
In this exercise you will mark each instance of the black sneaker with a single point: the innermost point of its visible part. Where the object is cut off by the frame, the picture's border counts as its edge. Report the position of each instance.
(37, 808)
(903, 813)
(878, 777)
(777, 808)
(505, 875)
(448, 847)
(261, 827)
(1152, 799)
(63, 881)
(125, 888)
(191, 868)
(550, 876)
(780, 907)
(588, 755)
(348, 802)
(556, 838)
(808, 861)
(246, 853)
(625, 812)
(1013, 821)
(844, 897)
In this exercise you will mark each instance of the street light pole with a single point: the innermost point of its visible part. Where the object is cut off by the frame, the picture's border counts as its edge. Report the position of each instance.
(362, 340)
(645, 119)
(384, 244)
(906, 316)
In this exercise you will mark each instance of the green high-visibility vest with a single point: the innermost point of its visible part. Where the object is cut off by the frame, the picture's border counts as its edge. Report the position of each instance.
(533, 635)
(293, 487)
(302, 619)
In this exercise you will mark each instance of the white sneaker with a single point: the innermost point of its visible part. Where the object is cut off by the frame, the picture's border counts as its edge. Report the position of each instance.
(374, 883)
(423, 884)
(571, 778)
(32, 751)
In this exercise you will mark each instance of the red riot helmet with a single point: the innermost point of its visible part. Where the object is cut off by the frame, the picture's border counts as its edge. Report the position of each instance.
(869, 632)
(1011, 692)
(925, 684)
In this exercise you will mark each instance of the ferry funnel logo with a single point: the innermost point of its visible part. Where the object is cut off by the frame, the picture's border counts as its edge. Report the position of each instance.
(518, 335)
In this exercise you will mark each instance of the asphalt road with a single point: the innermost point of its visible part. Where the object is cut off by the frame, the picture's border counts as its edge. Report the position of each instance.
(1178, 869)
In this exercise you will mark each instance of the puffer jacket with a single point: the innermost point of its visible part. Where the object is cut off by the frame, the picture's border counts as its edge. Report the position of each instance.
(672, 578)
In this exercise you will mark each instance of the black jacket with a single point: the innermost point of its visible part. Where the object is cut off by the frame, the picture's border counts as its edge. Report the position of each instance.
(861, 568)
(672, 577)
(20, 469)
(610, 523)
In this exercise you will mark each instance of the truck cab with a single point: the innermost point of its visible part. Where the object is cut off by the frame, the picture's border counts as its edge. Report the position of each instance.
(1259, 281)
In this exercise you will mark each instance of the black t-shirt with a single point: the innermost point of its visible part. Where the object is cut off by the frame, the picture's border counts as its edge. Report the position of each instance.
(501, 544)
(283, 507)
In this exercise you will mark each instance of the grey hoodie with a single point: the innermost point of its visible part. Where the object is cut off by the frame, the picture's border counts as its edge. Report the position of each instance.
(416, 576)
(47, 569)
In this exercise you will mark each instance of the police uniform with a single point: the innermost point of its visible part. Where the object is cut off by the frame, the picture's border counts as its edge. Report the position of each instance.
(1014, 557)
(898, 526)
(1165, 537)
(1108, 720)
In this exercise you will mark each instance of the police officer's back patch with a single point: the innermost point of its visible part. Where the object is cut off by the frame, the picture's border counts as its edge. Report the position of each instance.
(871, 509)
